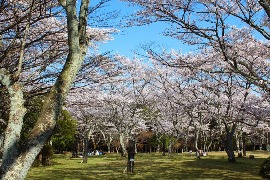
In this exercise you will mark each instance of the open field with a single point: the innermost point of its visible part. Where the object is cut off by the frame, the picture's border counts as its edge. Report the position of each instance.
(152, 166)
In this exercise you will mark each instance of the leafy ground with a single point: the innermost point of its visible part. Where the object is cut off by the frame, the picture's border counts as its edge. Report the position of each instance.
(152, 166)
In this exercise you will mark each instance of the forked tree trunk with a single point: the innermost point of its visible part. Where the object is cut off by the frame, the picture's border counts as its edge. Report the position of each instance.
(16, 165)
(228, 142)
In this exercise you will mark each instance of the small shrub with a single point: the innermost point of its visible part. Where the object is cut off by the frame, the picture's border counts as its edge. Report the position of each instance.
(265, 169)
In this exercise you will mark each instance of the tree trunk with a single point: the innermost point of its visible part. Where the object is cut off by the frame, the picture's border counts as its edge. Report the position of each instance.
(163, 147)
(109, 147)
(228, 142)
(123, 145)
(196, 139)
(244, 144)
(117, 150)
(85, 149)
(170, 147)
(16, 166)
(131, 156)
(237, 138)
(109, 143)
(158, 148)
(266, 6)
(15, 122)
(186, 141)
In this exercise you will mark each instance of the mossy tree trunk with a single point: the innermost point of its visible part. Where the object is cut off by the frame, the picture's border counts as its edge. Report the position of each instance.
(16, 164)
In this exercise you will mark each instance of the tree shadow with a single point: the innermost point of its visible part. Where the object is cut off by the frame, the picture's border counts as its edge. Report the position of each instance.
(155, 168)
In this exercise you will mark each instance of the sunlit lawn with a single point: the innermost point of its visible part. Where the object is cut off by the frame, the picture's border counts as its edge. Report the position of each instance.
(152, 166)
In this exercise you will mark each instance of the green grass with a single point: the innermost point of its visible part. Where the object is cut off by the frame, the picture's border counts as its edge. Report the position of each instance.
(152, 166)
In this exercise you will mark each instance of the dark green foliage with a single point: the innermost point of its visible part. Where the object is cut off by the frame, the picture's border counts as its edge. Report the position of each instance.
(64, 136)
(154, 141)
(33, 107)
(47, 154)
(265, 169)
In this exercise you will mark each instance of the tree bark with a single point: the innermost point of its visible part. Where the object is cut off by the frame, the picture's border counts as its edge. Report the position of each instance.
(244, 144)
(85, 150)
(131, 156)
(170, 146)
(228, 142)
(163, 146)
(19, 165)
(266, 6)
(123, 145)
(14, 126)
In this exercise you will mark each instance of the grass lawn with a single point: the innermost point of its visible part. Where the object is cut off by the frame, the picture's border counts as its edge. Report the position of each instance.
(152, 166)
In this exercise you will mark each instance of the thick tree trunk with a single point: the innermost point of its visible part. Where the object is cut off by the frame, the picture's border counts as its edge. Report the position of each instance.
(228, 142)
(131, 156)
(16, 167)
(15, 121)
(266, 6)
(123, 145)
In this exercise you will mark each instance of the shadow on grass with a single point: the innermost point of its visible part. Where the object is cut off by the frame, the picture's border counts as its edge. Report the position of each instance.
(82, 172)
(244, 168)
(150, 166)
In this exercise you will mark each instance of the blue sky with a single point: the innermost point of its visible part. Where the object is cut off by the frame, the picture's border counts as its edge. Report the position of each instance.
(132, 39)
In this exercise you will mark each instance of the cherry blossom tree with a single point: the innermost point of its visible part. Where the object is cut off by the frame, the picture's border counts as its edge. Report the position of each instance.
(29, 51)
(211, 87)
(85, 106)
(218, 25)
